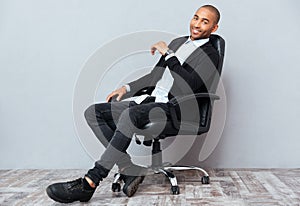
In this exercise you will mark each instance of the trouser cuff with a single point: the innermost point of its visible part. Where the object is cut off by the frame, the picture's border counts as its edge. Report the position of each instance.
(97, 173)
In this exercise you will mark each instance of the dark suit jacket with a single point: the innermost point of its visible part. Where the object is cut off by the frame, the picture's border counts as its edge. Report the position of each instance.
(195, 75)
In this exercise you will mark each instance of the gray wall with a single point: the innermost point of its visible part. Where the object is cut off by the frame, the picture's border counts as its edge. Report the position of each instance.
(44, 45)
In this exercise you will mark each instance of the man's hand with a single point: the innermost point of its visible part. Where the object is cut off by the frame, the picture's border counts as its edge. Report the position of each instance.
(119, 92)
(160, 46)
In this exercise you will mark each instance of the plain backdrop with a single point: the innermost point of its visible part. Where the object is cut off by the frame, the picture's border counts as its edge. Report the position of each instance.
(44, 45)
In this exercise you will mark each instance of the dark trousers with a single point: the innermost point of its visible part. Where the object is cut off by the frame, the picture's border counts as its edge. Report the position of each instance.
(114, 124)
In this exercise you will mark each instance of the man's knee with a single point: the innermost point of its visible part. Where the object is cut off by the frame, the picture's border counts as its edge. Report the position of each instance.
(90, 113)
(130, 116)
(124, 115)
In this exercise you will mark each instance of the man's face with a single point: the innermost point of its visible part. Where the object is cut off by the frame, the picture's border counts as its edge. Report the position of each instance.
(203, 24)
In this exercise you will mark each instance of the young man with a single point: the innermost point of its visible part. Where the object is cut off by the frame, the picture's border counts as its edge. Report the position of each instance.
(188, 61)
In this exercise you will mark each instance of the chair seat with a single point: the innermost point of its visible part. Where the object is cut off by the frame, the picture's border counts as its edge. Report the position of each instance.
(166, 128)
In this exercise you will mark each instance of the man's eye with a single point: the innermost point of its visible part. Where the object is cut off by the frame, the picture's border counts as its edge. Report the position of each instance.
(205, 22)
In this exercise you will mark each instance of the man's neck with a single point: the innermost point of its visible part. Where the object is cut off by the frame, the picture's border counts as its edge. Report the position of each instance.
(198, 42)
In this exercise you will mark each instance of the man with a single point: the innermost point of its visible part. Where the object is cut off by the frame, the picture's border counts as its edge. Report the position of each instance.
(187, 65)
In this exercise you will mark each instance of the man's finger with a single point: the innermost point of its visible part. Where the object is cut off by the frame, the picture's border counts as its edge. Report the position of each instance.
(153, 49)
(109, 97)
(119, 97)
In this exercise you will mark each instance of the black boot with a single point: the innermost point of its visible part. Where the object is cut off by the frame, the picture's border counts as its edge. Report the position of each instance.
(131, 184)
(67, 192)
(132, 176)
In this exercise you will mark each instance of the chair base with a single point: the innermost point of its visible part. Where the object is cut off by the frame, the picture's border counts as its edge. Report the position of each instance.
(165, 168)
(167, 171)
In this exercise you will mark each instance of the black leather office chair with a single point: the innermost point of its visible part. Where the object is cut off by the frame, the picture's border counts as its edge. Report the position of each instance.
(193, 126)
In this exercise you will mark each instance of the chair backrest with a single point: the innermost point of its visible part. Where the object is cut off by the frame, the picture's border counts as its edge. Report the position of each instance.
(205, 106)
(194, 121)
(219, 44)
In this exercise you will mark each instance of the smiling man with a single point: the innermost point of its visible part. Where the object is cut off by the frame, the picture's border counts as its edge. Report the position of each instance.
(187, 65)
(204, 22)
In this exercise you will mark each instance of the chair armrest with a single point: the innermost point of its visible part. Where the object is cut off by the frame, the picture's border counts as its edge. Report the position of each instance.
(178, 100)
(175, 103)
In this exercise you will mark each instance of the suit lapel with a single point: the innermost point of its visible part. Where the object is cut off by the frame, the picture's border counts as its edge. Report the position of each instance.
(195, 53)
(160, 70)
(179, 43)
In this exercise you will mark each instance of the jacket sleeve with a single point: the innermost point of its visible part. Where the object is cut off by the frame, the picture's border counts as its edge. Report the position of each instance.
(198, 76)
(146, 80)
(149, 80)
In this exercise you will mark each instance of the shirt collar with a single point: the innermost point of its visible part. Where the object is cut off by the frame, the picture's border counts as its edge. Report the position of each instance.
(198, 42)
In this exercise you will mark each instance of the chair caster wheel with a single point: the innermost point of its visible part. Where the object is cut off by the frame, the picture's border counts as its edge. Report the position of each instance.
(205, 180)
(116, 187)
(175, 190)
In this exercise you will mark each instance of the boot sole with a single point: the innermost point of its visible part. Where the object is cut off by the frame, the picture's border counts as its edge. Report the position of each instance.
(53, 197)
(131, 188)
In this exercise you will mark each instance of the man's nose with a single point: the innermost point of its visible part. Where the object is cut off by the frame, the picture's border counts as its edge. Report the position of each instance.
(197, 24)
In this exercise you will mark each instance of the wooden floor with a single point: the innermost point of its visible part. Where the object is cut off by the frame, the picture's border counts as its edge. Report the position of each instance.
(228, 187)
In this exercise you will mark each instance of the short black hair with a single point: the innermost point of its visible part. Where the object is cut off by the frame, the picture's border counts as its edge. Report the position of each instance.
(214, 10)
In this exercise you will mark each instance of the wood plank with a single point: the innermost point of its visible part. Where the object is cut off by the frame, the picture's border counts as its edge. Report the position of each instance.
(227, 187)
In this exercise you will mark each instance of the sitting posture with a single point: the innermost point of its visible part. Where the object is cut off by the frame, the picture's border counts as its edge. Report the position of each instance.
(187, 66)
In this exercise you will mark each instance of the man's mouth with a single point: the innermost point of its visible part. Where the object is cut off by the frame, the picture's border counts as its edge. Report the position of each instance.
(195, 31)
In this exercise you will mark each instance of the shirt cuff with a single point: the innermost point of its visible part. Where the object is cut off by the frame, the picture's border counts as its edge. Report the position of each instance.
(169, 56)
(127, 87)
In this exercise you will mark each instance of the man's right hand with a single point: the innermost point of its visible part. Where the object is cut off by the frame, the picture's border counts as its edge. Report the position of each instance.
(119, 93)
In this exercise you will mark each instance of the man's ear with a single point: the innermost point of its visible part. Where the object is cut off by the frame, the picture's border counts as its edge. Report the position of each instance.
(215, 28)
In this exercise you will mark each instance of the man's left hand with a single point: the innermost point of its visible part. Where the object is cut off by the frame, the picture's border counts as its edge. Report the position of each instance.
(160, 46)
